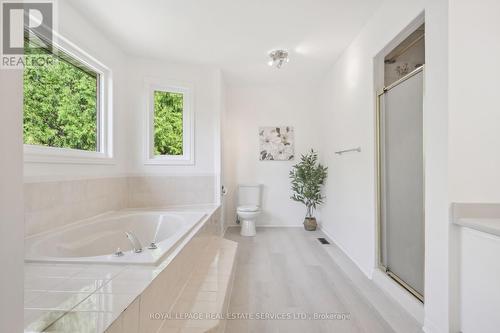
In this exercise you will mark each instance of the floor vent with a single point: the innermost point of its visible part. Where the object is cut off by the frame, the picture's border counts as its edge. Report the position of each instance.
(323, 241)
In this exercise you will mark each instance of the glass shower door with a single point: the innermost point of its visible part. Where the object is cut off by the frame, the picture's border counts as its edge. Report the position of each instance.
(401, 181)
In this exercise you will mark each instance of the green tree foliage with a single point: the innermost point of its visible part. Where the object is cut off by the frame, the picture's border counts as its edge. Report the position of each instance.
(60, 105)
(308, 176)
(168, 108)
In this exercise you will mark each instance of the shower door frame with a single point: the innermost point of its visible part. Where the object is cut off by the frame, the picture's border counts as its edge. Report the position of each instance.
(378, 167)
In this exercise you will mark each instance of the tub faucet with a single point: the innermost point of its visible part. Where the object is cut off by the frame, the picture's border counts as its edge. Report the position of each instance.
(136, 245)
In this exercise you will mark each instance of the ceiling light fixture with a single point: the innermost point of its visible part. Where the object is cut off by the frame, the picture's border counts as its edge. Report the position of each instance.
(278, 58)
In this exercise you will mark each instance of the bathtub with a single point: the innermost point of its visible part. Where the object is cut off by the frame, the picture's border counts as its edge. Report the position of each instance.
(98, 240)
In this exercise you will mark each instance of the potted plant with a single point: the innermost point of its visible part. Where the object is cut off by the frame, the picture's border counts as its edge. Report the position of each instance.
(308, 176)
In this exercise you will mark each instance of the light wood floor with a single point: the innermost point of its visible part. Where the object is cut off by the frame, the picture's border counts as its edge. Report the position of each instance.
(286, 270)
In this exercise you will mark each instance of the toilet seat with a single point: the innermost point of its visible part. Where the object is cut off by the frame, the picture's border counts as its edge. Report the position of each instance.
(248, 209)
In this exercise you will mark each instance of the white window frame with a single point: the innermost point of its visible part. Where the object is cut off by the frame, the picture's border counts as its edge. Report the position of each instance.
(187, 158)
(45, 154)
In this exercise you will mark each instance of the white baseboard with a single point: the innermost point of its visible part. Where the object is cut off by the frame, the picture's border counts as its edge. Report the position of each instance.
(368, 274)
(430, 327)
(268, 226)
(279, 226)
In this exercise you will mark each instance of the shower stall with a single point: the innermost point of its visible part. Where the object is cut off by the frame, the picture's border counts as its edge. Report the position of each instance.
(400, 152)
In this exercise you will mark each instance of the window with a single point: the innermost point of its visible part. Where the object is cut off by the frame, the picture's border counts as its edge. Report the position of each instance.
(169, 125)
(168, 113)
(65, 113)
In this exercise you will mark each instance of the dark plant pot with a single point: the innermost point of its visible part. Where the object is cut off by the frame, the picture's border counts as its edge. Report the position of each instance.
(310, 224)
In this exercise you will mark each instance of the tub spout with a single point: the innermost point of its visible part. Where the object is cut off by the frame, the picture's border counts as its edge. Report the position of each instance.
(136, 245)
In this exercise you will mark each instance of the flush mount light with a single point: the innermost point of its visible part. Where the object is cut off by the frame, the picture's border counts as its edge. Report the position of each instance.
(278, 58)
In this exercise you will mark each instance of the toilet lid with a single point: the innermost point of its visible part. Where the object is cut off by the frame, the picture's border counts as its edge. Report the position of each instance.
(248, 208)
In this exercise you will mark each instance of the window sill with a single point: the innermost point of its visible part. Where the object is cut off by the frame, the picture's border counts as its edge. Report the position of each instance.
(49, 155)
(163, 160)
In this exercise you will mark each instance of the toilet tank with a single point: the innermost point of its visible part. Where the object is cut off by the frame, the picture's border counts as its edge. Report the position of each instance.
(249, 195)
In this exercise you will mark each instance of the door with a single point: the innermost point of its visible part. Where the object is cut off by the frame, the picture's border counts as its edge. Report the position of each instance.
(401, 181)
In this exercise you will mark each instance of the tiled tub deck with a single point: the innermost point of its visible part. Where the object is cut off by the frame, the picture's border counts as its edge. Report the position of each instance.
(93, 298)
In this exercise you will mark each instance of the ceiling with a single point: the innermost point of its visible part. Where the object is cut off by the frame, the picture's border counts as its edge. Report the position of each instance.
(235, 35)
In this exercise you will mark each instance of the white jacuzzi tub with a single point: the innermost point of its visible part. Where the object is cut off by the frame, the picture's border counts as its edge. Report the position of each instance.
(96, 240)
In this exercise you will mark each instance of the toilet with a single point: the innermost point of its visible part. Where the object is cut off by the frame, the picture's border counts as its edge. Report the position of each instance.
(248, 208)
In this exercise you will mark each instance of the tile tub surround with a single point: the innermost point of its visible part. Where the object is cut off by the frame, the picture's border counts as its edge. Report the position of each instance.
(207, 291)
(54, 204)
(50, 205)
(90, 298)
(158, 191)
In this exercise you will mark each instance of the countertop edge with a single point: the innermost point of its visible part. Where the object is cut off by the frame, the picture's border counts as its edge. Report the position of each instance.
(486, 225)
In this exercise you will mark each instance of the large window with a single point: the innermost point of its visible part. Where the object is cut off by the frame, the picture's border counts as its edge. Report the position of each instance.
(170, 125)
(61, 104)
(65, 114)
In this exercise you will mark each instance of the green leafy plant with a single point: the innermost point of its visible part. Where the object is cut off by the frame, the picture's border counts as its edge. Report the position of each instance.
(308, 176)
(60, 105)
(168, 123)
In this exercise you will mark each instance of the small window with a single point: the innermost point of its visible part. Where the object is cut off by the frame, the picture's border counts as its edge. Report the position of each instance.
(169, 125)
(64, 114)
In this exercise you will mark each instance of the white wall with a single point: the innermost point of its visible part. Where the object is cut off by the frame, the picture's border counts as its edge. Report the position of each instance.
(348, 121)
(226, 178)
(206, 90)
(77, 29)
(474, 102)
(249, 107)
(11, 202)
(474, 160)
(437, 228)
